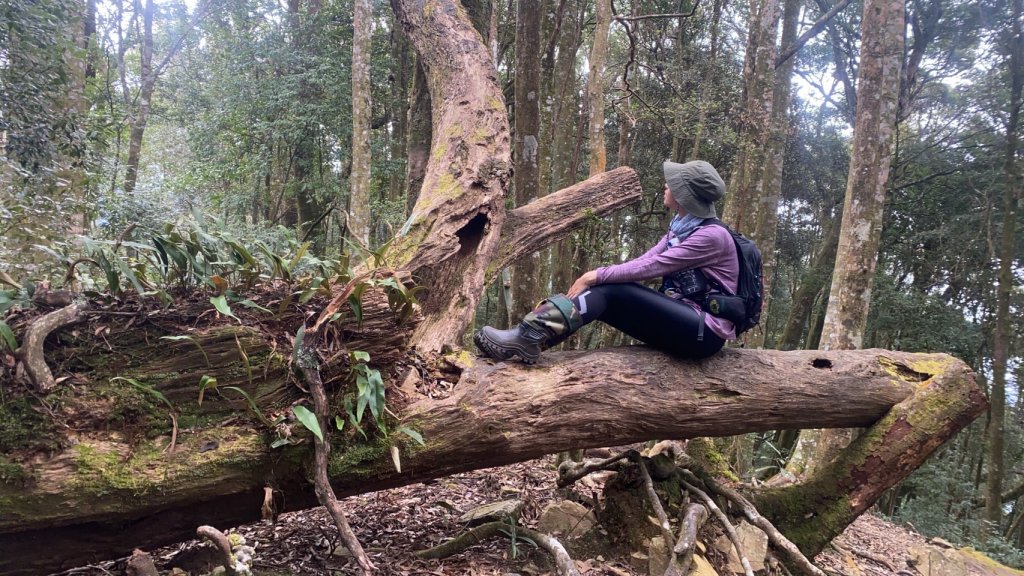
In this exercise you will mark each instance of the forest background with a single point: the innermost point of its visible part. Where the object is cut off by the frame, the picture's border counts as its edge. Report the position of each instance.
(304, 125)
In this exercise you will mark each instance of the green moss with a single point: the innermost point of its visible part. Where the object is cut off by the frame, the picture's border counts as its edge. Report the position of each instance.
(359, 458)
(106, 468)
(708, 458)
(23, 427)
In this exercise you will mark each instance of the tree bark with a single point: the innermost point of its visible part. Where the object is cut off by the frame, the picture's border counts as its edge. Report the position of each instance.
(746, 187)
(111, 491)
(1002, 333)
(595, 85)
(878, 91)
(359, 196)
(455, 226)
(527, 284)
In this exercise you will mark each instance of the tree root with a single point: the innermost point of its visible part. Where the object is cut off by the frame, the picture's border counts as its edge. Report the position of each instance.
(779, 541)
(730, 531)
(569, 471)
(694, 516)
(31, 351)
(221, 543)
(563, 563)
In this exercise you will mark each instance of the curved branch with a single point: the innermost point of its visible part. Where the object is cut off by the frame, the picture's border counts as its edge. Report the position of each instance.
(474, 536)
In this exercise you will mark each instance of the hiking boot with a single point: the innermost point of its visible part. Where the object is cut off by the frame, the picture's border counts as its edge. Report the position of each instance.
(554, 319)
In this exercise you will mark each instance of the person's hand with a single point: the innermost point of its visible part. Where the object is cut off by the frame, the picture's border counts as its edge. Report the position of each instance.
(582, 283)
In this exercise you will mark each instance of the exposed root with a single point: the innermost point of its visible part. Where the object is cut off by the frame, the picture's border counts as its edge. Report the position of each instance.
(724, 520)
(694, 516)
(563, 563)
(569, 471)
(220, 542)
(31, 351)
(777, 539)
(659, 510)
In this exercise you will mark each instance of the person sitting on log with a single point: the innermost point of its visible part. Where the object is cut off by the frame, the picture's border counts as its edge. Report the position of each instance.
(691, 257)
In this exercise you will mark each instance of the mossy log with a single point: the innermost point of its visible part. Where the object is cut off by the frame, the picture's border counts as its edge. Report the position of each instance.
(109, 490)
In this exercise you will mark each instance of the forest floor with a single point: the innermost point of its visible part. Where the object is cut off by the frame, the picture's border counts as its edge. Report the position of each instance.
(392, 524)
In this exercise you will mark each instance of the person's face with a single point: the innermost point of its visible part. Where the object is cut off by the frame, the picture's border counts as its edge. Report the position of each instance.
(671, 204)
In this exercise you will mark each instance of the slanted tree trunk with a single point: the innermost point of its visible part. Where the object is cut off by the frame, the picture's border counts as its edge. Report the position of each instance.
(140, 113)
(455, 225)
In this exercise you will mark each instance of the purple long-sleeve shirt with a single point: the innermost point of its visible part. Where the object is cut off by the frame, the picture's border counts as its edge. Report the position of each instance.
(710, 248)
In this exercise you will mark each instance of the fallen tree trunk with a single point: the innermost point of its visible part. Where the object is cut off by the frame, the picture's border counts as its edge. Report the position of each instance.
(111, 492)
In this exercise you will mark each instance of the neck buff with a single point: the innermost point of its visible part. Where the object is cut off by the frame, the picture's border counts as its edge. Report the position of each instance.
(682, 226)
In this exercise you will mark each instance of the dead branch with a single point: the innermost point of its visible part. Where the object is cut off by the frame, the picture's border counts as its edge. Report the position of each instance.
(310, 367)
(779, 541)
(221, 543)
(31, 351)
(565, 565)
(724, 520)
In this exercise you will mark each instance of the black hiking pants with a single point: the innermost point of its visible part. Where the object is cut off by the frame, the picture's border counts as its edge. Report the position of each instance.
(661, 322)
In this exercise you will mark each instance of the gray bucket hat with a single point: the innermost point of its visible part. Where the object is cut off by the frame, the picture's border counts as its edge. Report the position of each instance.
(695, 185)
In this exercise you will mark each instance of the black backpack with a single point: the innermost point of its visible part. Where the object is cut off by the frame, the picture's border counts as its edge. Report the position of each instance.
(743, 308)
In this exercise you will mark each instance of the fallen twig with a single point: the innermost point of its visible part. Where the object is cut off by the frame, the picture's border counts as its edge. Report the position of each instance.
(693, 518)
(322, 450)
(659, 510)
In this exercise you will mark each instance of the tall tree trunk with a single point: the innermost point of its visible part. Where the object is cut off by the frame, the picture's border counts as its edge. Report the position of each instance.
(710, 64)
(746, 186)
(140, 115)
(595, 85)
(1003, 331)
(768, 202)
(877, 95)
(882, 32)
(359, 196)
(401, 51)
(565, 115)
(527, 283)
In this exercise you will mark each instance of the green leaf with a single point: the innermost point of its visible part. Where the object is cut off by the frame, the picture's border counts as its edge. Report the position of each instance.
(206, 382)
(339, 422)
(221, 304)
(7, 337)
(412, 434)
(145, 388)
(360, 356)
(192, 340)
(309, 420)
(280, 442)
(251, 304)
